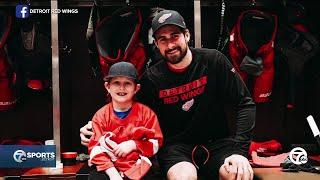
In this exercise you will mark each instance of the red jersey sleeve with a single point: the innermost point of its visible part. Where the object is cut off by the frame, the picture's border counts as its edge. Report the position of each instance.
(97, 155)
(150, 140)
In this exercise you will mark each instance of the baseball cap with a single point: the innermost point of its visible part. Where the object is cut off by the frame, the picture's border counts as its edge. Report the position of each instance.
(124, 69)
(167, 17)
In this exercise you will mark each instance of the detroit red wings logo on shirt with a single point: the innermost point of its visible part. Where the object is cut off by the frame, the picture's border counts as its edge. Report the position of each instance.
(187, 105)
(183, 92)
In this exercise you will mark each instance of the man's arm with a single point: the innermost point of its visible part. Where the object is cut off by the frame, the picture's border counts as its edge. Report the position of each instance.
(86, 133)
(233, 90)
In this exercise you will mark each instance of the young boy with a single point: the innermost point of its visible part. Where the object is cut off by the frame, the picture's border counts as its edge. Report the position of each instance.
(125, 132)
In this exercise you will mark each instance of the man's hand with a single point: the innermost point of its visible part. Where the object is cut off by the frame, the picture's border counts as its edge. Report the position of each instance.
(238, 167)
(124, 148)
(86, 131)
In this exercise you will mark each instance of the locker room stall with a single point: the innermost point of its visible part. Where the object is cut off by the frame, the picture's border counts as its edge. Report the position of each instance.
(82, 92)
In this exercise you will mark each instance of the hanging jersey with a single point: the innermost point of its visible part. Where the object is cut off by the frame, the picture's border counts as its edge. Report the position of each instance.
(33, 52)
(7, 75)
(252, 53)
(118, 39)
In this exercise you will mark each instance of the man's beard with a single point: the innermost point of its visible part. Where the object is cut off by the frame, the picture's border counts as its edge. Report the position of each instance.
(176, 58)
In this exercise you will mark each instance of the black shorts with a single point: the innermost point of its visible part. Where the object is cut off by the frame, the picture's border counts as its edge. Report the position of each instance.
(170, 155)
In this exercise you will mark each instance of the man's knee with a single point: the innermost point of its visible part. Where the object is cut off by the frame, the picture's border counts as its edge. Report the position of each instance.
(225, 175)
(182, 171)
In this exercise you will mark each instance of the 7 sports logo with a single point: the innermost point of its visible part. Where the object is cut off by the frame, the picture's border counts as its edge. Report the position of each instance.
(22, 11)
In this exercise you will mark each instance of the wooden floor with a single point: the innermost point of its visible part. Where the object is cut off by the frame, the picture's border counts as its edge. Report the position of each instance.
(69, 172)
(277, 174)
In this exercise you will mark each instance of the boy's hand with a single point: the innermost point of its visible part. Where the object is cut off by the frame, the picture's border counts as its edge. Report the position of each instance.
(124, 148)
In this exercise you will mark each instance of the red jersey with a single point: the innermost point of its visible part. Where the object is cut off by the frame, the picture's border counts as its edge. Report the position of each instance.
(140, 125)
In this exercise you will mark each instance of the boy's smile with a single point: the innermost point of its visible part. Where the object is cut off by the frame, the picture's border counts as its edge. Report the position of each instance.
(122, 89)
(122, 94)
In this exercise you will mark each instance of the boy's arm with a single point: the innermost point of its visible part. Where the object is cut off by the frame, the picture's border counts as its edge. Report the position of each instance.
(150, 145)
(97, 156)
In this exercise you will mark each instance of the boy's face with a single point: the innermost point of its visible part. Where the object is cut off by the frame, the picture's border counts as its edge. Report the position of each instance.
(122, 89)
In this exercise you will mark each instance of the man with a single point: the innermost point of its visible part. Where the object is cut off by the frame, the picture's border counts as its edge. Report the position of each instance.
(188, 89)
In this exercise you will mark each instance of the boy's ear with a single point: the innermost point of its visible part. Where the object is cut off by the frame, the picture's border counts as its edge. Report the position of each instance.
(138, 88)
(106, 85)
